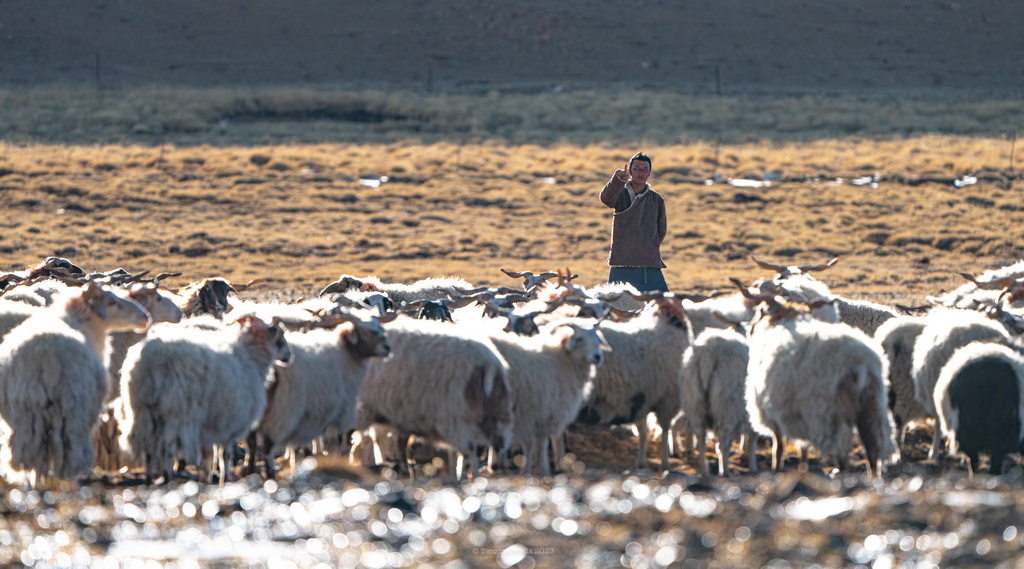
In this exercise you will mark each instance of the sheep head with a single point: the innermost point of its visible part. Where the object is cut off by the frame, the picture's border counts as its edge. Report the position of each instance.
(344, 283)
(267, 336)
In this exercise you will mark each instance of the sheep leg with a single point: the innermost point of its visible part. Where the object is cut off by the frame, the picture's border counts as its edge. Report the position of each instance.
(251, 454)
(973, 461)
(778, 450)
(557, 449)
(542, 457)
(272, 468)
(750, 442)
(933, 453)
(641, 455)
(699, 437)
(403, 457)
(474, 463)
(995, 459)
(219, 464)
(666, 446)
(527, 460)
(724, 451)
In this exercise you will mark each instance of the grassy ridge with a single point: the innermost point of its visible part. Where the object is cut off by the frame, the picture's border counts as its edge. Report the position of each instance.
(255, 116)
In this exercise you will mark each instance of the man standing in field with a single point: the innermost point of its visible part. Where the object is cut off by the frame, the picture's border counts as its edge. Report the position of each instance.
(639, 225)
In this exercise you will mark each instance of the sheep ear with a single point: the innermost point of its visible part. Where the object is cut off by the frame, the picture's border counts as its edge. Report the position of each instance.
(92, 294)
(345, 332)
(568, 337)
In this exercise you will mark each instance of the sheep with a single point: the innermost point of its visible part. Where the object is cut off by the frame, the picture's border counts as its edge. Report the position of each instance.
(50, 266)
(971, 295)
(897, 337)
(640, 375)
(319, 387)
(733, 307)
(713, 377)
(795, 281)
(188, 387)
(791, 281)
(442, 382)
(946, 330)
(816, 382)
(864, 315)
(53, 382)
(550, 376)
(425, 289)
(979, 401)
(210, 296)
(162, 307)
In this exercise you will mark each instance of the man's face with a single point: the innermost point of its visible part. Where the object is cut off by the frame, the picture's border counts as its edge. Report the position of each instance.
(640, 171)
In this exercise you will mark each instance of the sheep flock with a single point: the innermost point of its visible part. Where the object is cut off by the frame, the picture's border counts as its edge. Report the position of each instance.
(110, 373)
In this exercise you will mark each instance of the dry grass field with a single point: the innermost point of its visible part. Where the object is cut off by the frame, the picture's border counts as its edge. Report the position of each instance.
(300, 214)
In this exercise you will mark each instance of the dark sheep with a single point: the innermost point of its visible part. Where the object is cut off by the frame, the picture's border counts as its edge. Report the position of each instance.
(978, 398)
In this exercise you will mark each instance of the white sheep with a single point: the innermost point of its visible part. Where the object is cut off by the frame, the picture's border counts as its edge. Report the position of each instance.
(815, 382)
(319, 387)
(640, 375)
(733, 307)
(713, 376)
(947, 330)
(897, 337)
(162, 307)
(187, 388)
(980, 401)
(442, 382)
(550, 375)
(53, 382)
(970, 296)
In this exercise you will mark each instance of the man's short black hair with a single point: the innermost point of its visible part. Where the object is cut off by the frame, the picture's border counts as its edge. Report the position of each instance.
(640, 156)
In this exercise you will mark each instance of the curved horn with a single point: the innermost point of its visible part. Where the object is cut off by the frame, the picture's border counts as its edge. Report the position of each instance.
(248, 285)
(1005, 282)
(808, 268)
(745, 290)
(767, 265)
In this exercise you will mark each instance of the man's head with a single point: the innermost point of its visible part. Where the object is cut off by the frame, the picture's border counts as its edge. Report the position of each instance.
(640, 167)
